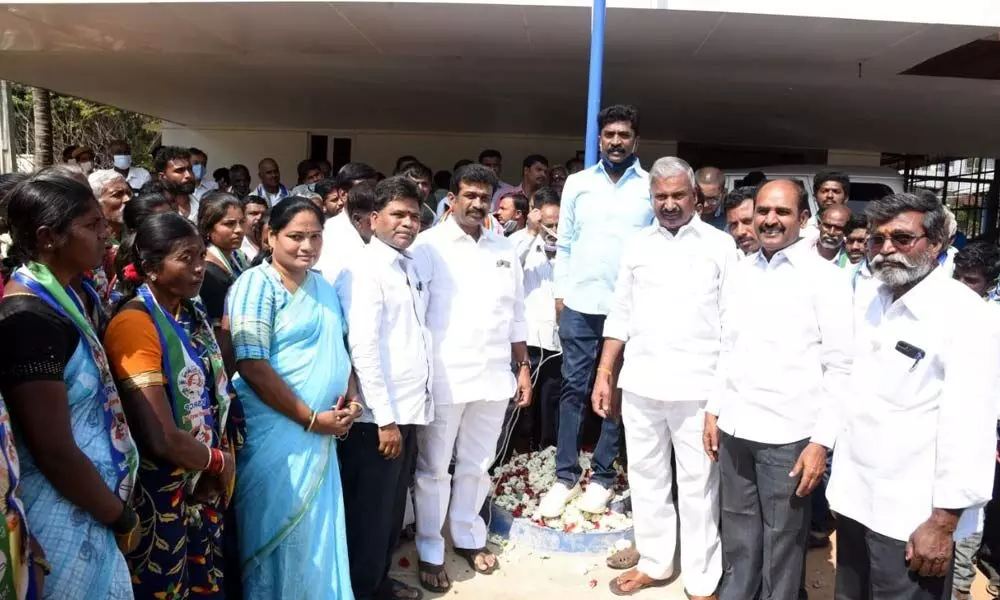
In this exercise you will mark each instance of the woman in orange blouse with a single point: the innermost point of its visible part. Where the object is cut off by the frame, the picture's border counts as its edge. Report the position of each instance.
(170, 370)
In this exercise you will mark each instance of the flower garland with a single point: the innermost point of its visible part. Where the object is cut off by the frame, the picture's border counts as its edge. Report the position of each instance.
(519, 484)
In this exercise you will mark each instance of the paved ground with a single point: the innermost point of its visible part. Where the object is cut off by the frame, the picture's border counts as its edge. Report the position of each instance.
(526, 575)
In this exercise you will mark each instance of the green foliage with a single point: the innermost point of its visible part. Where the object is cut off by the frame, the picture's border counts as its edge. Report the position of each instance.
(84, 123)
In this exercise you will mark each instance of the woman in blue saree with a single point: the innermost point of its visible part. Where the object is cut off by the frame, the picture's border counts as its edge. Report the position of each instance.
(77, 458)
(293, 374)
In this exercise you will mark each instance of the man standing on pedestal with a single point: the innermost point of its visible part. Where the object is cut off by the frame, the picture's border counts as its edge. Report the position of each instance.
(601, 207)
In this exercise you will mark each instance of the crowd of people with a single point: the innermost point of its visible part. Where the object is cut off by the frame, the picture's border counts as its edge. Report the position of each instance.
(211, 390)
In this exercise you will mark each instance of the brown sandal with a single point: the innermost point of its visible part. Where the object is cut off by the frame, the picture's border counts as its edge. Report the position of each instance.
(470, 555)
(617, 590)
(424, 568)
(624, 559)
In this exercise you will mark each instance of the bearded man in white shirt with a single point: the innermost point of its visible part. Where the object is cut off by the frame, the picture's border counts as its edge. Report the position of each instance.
(785, 359)
(385, 302)
(919, 438)
(475, 315)
(668, 307)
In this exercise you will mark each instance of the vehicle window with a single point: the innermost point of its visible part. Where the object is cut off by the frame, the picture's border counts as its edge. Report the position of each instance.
(863, 193)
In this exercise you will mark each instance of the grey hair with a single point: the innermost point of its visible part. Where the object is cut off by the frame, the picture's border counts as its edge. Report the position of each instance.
(951, 223)
(883, 210)
(671, 166)
(98, 180)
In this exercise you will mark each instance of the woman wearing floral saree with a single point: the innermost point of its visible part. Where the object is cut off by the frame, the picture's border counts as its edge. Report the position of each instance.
(176, 394)
(77, 458)
(293, 374)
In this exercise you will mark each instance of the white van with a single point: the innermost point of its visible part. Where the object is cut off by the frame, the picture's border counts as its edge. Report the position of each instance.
(867, 183)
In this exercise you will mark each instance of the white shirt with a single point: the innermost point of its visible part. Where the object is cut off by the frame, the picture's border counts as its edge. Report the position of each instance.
(786, 348)
(248, 250)
(668, 307)
(539, 296)
(920, 434)
(385, 302)
(137, 177)
(522, 240)
(475, 312)
(205, 186)
(341, 244)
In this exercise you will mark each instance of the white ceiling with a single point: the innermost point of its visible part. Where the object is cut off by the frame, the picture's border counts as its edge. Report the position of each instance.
(696, 76)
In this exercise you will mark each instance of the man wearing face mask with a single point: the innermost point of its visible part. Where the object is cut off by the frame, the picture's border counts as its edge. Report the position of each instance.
(512, 213)
(199, 167)
(601, 206)
(121, 158)
(537, 256)
(787, 340)
(173, 171)
(917, 444)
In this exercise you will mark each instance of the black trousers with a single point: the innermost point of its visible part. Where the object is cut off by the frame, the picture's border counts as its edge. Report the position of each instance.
(374, 504)
(871, 566)
(545, 397)
(989, 553)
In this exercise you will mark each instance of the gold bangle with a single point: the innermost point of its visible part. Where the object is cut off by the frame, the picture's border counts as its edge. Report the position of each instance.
(312, 421)
(603, 369)
(361, 408)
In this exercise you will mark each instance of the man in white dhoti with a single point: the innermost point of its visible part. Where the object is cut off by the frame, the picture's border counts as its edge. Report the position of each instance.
(668, 308)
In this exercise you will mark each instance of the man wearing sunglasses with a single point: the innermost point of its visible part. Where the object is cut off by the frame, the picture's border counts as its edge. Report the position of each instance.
(918, 437)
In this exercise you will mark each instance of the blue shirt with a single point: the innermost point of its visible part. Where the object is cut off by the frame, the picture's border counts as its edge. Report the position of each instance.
(596, 217)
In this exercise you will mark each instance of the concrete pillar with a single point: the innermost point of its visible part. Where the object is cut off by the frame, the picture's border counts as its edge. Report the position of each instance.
(858, 158)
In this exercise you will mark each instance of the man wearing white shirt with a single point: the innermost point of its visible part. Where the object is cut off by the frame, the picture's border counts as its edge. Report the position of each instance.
(121, 157)
(667, 313)
(738, 208)
(832, 229)
(475, 315)
(385, 302)
(345, 236)
(199, 168)
(918, 441)
(829, 188)
(270, 188)
(783, 369)
(537, 251)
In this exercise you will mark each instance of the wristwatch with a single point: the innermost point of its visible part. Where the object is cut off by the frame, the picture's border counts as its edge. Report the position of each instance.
(523, 364)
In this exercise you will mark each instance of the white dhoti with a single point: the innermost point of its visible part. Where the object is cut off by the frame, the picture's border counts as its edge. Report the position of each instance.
(654, 429)
(471, 430)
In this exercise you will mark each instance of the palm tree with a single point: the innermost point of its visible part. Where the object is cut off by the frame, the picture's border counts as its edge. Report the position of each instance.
(41, 105)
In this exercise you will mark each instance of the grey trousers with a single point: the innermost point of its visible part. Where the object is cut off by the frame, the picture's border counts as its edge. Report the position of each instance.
(763, 523)
(871, 566)
(964, 572)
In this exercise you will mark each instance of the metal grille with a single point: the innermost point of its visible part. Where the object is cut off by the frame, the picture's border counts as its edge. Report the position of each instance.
(962, 184)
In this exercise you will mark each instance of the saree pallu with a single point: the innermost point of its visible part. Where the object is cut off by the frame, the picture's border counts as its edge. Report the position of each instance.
(289, 505)
(86, 562)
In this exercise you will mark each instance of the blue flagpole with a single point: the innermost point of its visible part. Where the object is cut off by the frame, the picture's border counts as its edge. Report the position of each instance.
(596, 73)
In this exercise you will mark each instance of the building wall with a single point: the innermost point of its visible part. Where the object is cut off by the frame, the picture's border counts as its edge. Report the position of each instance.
(854, 157)
(380, 149)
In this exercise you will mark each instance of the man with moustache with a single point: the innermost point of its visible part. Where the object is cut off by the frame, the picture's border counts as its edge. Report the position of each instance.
(918, 440)
(270, 188)
(832, 225)
(677, 266)
(785, 359)
(534, 175)
(601, 207)
(856, 239)
(172, 166)
(390, 347)
(239, 179)
(738, 208)
(829, 188)
(475, 315)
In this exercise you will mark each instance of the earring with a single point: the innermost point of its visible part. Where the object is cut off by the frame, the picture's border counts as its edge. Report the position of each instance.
(153, 277)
